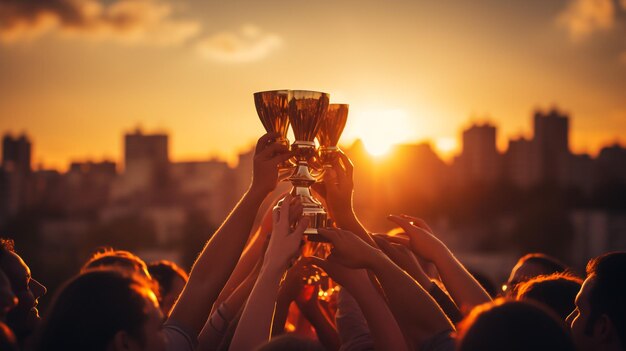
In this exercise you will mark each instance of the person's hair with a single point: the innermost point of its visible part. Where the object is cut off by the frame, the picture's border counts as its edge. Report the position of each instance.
(6, 245)
(290, 342)
(557, 291)
(548, 263)
(109, 257)
(512, 325)
(608, 292)
(91, 308)
(164, 273)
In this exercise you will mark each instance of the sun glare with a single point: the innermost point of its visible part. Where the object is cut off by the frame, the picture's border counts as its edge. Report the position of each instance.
(446, 145)
(380, 130)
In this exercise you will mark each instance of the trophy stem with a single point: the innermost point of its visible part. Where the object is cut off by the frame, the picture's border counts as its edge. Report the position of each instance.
(312, 209)
(302, 180)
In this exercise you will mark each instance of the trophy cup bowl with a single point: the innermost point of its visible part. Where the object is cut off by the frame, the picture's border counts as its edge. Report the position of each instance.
(307, 110)
(330, 131)
(273, 110)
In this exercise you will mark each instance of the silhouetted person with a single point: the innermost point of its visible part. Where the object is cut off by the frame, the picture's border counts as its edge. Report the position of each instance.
(529, 266)
(24, 318)
(514, 326)
(103, 309)
(599, 320)
(171, 279)
(557, 291)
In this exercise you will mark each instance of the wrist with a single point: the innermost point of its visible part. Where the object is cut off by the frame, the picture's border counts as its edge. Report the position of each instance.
(442, 256)
(375, 258)
(346, 218)
(257, 191)
(273, 266)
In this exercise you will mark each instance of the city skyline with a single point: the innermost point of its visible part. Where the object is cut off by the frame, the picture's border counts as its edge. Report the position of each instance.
(447, 149)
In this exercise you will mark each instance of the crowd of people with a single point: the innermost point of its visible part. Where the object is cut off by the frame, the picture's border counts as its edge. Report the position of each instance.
(252, 289)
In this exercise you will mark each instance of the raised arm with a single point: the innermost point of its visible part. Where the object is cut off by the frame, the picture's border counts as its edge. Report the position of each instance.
(220, 255)
(465, 290)
(337, 189)
(254, 328)
(384, 329)
(412, 306)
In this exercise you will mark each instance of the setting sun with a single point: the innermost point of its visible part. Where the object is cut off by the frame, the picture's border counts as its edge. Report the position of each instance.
(380, 130)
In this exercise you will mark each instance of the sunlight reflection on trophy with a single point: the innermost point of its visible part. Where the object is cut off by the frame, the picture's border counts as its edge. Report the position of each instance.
(307, 109)
(273, 110)
(330, 132)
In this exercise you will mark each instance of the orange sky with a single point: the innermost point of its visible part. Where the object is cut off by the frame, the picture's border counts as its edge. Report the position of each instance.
(78, 74)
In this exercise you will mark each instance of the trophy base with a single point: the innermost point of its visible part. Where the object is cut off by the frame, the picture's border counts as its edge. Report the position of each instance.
(317, 219)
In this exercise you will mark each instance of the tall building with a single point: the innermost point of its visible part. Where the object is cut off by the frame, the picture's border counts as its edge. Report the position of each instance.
(519, 168)
(16, 154)
(15, 175)
(479, 160)
(551, 146)
(146, 164)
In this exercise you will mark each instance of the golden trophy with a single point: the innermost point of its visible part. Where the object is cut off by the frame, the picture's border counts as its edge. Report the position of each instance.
(329, 133)
(273, 110)
(307, 110)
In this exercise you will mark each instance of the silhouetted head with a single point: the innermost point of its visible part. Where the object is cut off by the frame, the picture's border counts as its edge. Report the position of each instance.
(530, 266)
(171, 279)
(290, 342)
(513, 325)
(103, 309)
(24, 317)
(599, 320)
(109, 257)
(557, 291)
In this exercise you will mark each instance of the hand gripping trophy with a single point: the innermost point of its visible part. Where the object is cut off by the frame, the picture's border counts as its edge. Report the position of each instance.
(310, 116)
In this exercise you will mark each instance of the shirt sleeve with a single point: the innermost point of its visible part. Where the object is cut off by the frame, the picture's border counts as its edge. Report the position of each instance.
(178, 338)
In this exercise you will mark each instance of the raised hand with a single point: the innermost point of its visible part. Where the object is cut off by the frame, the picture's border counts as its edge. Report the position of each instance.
(463, 288)
(348, 249)
(284, 243)
(421, 238)
(267, 156)
(339, 187)
(405, 259)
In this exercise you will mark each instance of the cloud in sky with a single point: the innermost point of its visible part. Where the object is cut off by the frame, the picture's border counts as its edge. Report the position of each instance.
(145, 21)
(581, 18)
(247, 44)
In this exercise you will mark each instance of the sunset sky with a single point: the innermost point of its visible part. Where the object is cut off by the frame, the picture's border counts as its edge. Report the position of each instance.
(76, 74)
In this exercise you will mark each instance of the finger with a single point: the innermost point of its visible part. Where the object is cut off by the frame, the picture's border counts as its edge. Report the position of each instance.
(329, 234)
(331, 181)
(402, 222)
(301, 227)
(282, 156)
(272, 151)
(264, 141)
(383, 244)
(275, 214)
(418, 222)
(398, 240)
(284, 209)
(347, 163)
